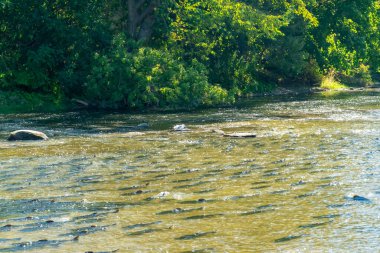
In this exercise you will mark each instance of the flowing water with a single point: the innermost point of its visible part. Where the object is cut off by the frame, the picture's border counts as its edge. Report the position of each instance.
(100, 184)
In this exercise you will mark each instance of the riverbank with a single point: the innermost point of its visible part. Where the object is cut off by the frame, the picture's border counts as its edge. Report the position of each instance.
(22, 102)
(280, 91)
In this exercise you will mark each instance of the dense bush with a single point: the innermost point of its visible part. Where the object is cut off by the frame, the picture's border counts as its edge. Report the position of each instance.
(146, 77)
(359, 77)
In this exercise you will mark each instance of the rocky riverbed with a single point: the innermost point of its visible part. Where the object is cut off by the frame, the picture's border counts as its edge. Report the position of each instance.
(307, 182)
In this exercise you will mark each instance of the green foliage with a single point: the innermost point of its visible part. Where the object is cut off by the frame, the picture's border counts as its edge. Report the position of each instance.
(43, 42)
(360, 76)
(226, 36)
(145, 77)
(18, 101)
(200, 52)
(348, 35)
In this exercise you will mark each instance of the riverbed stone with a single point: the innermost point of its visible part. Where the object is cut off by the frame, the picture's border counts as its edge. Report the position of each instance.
(240, 135)
(360, 198)
(180, 128)
(27, 135)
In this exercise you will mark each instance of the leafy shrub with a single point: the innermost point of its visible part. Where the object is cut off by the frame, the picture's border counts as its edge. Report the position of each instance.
(360, 76)
(363, 75)
(144, 77)
(311, 73)
(18, 101)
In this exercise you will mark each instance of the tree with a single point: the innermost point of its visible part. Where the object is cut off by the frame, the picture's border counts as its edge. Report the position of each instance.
(141, 53)
(347, 35)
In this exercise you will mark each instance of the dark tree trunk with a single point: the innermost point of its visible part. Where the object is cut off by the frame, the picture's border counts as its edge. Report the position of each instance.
(141, 18)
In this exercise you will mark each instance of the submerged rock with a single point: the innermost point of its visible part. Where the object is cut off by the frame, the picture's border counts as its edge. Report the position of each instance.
(287, 238)
(313, 225)
(202, 216)
(27, 135)
(195, 235)
(143, 125)
(360, 198)
(180, 210)
(141, 225)
(234, 135)
(145, 231)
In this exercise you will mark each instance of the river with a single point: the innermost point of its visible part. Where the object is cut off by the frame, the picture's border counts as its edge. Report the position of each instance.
(99, 184)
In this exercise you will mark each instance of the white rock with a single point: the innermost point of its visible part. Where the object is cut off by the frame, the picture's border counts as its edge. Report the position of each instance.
(181, 127)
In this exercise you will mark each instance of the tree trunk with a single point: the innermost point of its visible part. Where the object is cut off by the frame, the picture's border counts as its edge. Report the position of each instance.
(141, 18)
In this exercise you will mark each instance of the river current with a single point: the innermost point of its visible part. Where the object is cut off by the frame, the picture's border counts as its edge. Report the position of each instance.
(309, 181)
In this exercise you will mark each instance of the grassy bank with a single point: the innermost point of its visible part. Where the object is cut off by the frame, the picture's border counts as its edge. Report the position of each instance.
(330, 83)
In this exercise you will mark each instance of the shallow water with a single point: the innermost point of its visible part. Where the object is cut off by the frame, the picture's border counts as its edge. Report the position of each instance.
(100, 184)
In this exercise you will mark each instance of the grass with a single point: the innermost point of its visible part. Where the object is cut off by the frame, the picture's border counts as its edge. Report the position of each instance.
(329, 82)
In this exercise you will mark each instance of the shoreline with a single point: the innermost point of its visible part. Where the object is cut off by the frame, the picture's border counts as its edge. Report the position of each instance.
(73, 105)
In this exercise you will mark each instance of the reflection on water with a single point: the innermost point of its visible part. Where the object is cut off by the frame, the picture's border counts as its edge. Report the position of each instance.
(103, 184)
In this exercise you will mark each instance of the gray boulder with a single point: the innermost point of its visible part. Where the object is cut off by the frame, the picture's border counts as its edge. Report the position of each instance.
(27, 135)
